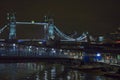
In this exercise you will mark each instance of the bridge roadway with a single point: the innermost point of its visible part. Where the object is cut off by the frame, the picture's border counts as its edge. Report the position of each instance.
(16, 55)
(67, 45)
(63, 60)
(22, 53)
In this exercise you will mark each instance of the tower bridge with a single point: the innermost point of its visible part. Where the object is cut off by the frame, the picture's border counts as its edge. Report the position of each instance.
(50, 30)
(49, 46)
(50, 33)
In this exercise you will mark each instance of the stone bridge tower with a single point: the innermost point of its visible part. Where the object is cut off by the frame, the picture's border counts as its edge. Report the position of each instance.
(12, 25)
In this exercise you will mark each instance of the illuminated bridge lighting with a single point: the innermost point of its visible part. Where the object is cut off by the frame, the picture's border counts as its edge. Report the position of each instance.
(98, 54)
(35, 23)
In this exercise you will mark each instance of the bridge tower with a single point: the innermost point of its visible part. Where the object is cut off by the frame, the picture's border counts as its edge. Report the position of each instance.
(12, 25)
(45, 27)
(51, 35)
(49, 29)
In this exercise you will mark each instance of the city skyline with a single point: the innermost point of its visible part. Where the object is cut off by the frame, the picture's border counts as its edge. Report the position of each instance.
(96, 17)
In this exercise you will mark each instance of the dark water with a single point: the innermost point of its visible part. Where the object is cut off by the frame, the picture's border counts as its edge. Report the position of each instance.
(43, 71)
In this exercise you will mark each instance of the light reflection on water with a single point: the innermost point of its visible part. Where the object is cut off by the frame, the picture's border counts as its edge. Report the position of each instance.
(43, 71)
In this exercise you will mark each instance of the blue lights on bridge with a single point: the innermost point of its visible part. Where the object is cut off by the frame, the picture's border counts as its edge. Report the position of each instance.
(98, 56)
(43, 42)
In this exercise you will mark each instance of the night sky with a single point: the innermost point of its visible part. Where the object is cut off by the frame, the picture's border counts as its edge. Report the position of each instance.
(94, 16)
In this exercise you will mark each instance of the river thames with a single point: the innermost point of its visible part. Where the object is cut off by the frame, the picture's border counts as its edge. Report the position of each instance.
(44, 71)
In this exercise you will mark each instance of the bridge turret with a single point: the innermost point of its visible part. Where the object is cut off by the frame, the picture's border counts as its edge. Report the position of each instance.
(46, 19)
(51, 29)
(12, 25)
